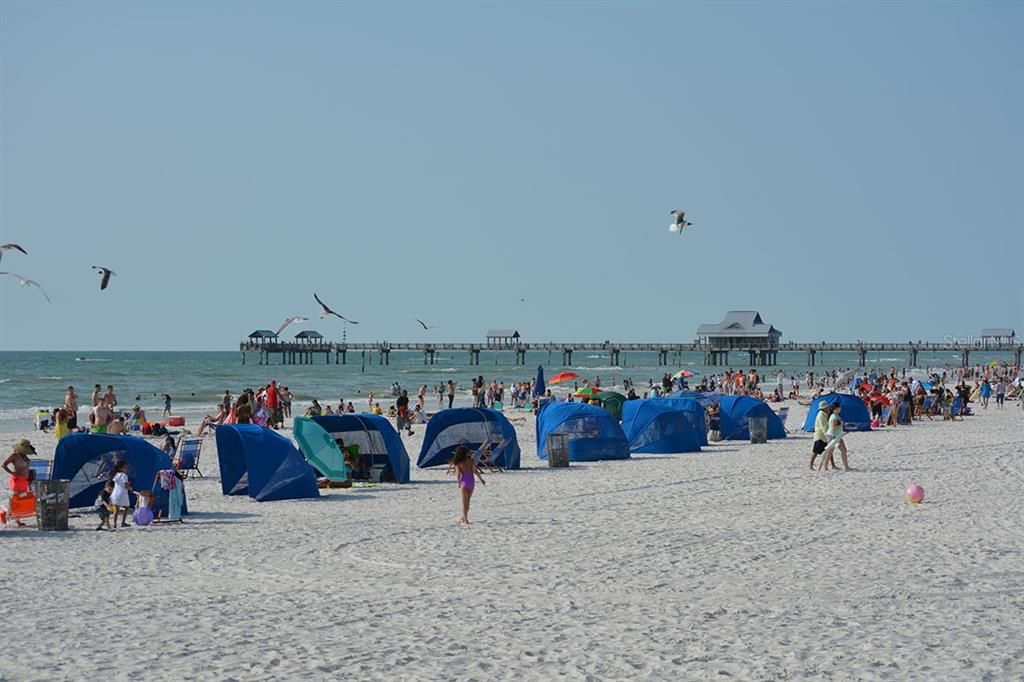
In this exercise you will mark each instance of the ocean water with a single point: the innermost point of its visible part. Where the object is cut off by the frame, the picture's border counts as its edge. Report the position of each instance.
(197, 380)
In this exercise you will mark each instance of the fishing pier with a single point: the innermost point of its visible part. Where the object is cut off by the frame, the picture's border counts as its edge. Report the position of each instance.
(743, 333)
(320, 351)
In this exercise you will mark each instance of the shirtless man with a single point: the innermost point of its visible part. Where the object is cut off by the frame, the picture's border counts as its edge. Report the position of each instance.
(71, 403)
(110, 400)
(100, 417)
(96, 395)
(117, 427)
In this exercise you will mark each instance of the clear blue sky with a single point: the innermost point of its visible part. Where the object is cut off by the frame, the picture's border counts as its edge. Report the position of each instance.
(444, 161)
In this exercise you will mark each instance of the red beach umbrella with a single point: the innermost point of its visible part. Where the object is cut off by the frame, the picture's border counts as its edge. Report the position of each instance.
(562, 376)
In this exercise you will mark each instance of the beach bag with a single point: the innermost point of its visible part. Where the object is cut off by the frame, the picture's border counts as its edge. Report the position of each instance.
(147, 428)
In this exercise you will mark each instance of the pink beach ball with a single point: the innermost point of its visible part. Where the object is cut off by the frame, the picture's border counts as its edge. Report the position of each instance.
(915, 494)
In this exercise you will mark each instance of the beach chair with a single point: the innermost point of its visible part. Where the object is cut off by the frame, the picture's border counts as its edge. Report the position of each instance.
(783, 413)
(954, 408)
(41, 467)
(187, 457)
(926, 407)
(487, 456)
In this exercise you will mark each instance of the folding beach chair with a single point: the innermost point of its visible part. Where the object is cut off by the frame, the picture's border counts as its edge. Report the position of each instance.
(783, 413)
(486, 456)
(954, 408)
(41, 467)
(187, 458)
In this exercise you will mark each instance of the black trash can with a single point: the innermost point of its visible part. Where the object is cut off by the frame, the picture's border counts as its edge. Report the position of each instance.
(52, 499)
(557, 446)
(758, 429)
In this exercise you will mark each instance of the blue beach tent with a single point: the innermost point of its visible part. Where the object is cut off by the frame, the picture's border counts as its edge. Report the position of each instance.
(87, 460)
(854, 412)
(472, 427)
(262, 463)
(593, 433)
(736, 409)
(695, 410)
(379, 443)
(660, 426)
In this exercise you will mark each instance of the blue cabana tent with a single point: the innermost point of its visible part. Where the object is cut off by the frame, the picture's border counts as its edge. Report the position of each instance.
(379, 443)
(262, 463)
(660, 426)
(593, 433)
(87, 460)
(472, 427)
(695, 410)
(854, 412)
(736, 409)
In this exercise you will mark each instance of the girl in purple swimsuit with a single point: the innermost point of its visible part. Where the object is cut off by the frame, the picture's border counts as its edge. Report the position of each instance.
(466, 472)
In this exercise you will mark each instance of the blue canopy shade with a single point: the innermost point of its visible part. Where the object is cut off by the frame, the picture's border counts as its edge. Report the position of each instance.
(736, 409)
(376, 438)
(659, 426)
(854, 412)
(695, 410)
(472, 427)
(593, 433)
(87, 460)
(262, 463)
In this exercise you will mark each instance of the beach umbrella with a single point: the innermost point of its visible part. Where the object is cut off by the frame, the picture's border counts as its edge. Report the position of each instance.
(562, 376)
(685, 373)
(588, 392)
(538, 386)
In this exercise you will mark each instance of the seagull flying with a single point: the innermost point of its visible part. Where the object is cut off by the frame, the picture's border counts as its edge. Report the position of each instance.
(289, 321)
(27, 282)
(11, 247)
(680, 224)
(327, 312)
(423, 324)
(105, 274)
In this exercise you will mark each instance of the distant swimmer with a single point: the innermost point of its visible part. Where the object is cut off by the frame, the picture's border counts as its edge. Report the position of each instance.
(28, 282)
(289, 321)
(326, 312)
(680, 224)
(4, 248)
(105, 274)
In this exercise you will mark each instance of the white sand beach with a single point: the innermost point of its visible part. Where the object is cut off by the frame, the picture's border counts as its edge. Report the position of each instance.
(735, 563)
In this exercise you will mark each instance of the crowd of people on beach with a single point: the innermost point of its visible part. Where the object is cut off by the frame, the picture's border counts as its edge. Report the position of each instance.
(895, 397)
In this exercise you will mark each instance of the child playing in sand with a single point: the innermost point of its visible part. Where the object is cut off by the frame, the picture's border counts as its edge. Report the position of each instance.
(104, 507)
(119, 496)
(466, 472)
(143, 515)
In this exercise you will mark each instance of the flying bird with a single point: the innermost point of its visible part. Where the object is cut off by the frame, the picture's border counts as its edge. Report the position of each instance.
(423, 324)
(11, 247)
(27, 282)
(327, 311)
(105, 274)
(289, 321)
(680, 224)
